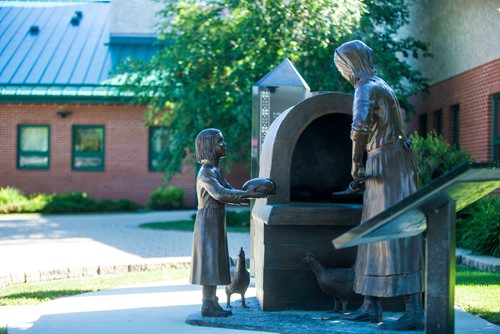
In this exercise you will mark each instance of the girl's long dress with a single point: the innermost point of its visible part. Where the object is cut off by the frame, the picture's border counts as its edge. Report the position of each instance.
(210, 259)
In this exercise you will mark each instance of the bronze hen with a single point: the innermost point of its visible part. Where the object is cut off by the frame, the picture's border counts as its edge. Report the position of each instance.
(335, 282)
(240, 280)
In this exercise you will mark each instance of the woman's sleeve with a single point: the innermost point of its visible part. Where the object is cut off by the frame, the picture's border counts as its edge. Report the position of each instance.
(362, 115)
(219, 192)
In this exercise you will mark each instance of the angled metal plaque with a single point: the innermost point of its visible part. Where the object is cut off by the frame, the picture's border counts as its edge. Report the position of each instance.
(464, 185)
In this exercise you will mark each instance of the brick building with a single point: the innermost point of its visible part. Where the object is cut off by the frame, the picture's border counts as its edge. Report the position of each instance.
(464, 97)
(62, 127)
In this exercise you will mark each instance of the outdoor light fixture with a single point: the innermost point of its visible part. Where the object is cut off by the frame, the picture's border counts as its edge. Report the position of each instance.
(63, 113)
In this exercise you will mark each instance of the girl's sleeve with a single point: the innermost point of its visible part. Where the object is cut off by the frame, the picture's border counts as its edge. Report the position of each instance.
(219, 192)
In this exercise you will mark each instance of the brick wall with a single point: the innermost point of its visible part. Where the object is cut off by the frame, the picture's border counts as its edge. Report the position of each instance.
(473, 91)
(126, 173)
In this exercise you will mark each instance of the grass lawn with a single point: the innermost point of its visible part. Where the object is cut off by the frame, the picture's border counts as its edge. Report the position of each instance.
(478, 293)
(187, 225)
(40, 292)
(3, 331)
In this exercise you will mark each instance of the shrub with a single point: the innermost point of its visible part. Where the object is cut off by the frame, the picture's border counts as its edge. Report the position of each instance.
(434, 156)
(238, 218)
(478, 226)
(121, 205)
(70, 202)
(126, 205)
(10, 195)
(166, 198)
(12, 200)
(37, 202)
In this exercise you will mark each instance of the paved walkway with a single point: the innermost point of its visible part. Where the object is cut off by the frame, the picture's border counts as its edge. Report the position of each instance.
(75, 245)
(32, 246)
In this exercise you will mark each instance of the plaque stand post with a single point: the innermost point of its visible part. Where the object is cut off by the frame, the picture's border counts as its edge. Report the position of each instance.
(440, 272)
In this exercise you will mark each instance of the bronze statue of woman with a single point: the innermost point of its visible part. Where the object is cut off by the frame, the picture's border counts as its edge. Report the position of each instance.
(394, 267)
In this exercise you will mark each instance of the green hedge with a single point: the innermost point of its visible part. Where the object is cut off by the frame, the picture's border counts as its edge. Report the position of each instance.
(12, 200)
(166, 198)
(478, 225)
(434, 156)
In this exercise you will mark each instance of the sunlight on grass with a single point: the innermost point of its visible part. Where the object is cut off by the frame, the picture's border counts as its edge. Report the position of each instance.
(40, 292)
(187, 225)
(478, 293)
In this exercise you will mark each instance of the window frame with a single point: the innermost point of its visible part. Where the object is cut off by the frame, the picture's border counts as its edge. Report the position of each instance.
(455, 124)
(20, 152)
(495, 140)
(437, 116)
(423, 129)
(153, 155)
(75, 154)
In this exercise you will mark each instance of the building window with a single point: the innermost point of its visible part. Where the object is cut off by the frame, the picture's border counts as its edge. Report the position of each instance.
(157, 147)
(33, 147)
(438, 116)
(422, 125)
(88, 147)
(496, 128)
(455, 125)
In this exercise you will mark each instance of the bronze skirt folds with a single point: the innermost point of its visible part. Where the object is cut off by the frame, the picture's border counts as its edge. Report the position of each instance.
(393, 267)
(210, 258)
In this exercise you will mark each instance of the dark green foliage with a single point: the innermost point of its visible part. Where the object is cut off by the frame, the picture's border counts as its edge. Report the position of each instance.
(238, 218)
(214, 51)
(434, 157)
(121, 205)
(478, 226)
(13, 200)
(166, 198)
(126, 205)
(70, 202)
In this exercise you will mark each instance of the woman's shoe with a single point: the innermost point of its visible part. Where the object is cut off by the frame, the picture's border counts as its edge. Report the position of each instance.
(371, 311)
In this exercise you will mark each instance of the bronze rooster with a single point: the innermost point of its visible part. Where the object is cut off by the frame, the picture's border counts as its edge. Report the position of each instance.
(240, 280)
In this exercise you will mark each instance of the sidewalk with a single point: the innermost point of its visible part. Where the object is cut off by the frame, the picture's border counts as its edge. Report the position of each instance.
(62, 246)
(158, 308)
(89, 244)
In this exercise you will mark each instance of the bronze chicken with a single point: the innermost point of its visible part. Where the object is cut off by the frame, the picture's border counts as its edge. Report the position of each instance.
(335, 282)
(240, 279)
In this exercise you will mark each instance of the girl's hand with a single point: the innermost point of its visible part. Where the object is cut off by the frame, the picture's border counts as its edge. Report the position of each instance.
(254, 194)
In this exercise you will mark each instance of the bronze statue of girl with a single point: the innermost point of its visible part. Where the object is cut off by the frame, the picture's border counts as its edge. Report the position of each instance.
(210, 259)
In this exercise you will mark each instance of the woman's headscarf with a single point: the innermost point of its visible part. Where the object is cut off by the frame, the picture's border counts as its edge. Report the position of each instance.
(354, 60)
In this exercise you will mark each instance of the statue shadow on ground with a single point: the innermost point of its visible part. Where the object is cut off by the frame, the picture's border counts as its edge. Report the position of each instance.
(288, 322)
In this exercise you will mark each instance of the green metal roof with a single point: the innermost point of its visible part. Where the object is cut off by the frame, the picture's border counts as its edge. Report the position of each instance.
(59, 50)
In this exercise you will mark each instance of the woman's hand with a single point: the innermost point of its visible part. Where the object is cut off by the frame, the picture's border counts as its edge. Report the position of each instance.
(358, 172)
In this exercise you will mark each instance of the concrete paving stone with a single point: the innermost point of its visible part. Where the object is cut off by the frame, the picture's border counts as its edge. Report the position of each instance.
(47, 247)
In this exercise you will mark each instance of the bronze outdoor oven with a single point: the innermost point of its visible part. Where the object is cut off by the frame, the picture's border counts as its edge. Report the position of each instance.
(307, 153)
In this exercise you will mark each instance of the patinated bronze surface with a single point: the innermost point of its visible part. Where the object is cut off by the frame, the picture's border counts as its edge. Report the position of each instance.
(394, 267)
(210, 259)
(390, 267)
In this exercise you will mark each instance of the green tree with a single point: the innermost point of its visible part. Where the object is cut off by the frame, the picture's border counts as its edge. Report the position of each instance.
(215, 50)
